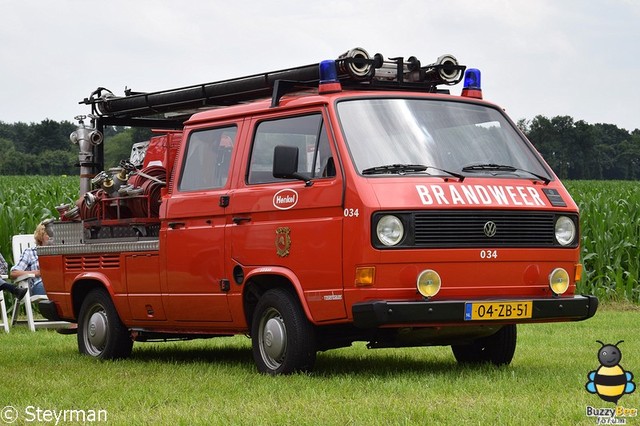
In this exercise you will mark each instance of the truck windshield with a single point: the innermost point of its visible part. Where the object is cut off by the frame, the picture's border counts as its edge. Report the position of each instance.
(435, 137)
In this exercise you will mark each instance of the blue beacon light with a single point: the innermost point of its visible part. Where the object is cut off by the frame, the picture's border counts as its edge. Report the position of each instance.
(329, 82)
(472, 87)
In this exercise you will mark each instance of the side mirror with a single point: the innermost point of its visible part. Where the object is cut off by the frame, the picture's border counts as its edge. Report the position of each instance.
(285, 163)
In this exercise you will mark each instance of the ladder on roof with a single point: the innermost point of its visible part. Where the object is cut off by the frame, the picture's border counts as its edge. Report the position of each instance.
(354, 69)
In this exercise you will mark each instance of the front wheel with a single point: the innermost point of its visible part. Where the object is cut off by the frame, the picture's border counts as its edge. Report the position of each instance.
(497, 349)
(101, 334)
(283, 339)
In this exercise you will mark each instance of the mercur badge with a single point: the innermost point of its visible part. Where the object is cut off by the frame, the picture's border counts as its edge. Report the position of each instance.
(610, 382)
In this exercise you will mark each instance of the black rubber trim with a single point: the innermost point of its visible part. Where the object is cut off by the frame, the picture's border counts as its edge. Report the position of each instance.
(48, 310)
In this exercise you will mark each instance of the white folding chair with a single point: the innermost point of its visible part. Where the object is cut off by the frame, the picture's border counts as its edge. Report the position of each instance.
(3, 307)
(19, 244)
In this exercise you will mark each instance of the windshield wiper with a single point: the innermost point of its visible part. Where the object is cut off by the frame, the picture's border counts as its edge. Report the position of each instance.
(406, 168)
(490, 167)
(394, 168)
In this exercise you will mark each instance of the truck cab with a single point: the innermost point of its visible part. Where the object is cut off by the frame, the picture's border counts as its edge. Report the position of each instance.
(351, 200)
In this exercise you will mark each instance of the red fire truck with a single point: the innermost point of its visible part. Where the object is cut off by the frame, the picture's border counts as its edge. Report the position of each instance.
(355, 199)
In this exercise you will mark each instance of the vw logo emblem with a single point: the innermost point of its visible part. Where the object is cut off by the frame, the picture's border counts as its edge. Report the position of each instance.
(490, 229)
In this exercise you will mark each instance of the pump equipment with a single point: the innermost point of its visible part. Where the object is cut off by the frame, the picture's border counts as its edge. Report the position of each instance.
(86, 138)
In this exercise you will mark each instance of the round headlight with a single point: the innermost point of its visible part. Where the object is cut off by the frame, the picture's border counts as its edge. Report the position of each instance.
(565, 231)
(559, 281)
(428, 283)
(390, 230)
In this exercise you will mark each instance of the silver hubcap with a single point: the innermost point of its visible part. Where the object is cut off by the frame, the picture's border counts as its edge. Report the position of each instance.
(273, 339)
(274, 336)
(97, 330)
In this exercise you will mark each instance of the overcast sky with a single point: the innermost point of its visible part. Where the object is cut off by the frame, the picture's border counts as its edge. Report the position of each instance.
(537, 57)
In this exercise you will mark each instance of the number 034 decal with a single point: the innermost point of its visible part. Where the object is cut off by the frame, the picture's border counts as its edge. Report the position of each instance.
(351, 213)
(488, 254)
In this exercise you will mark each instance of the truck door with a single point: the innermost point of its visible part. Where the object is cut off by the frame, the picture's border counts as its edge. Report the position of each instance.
(287, 223)
(194, 229)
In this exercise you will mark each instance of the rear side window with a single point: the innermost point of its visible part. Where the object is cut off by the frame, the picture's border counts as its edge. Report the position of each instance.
(207, 159)
(307, 133)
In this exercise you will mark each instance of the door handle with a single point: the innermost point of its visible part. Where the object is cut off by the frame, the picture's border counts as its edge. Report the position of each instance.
(238, 220)
(174, 225)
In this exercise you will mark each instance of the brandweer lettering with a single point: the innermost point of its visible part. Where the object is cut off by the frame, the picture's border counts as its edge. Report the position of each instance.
(479, 195)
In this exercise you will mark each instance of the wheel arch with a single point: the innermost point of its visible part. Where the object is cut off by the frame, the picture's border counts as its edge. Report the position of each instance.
(260, 280)
(83, 286)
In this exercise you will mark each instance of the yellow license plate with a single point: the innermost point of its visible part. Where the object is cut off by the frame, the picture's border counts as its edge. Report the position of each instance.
(497, 310)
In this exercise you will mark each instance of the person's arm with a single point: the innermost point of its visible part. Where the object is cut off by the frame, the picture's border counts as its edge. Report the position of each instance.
(23, 267)
(16, 273)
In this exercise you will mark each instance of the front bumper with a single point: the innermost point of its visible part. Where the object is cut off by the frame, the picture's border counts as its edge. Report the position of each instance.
(378, 313)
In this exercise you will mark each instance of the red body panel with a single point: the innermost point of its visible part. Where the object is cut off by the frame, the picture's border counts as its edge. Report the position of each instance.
(311, 237)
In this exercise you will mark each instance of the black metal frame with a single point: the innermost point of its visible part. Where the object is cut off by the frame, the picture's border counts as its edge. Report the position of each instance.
(146, 109)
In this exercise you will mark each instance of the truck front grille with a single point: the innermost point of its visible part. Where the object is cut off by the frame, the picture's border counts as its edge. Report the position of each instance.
(474, 229)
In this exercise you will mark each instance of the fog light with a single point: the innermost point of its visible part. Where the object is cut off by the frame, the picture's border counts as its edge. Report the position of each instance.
(428, 283)
(559, 281)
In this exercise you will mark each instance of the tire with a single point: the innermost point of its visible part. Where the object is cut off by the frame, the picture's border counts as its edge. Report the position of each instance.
(497, 349)
(283, 339)
(101, 333)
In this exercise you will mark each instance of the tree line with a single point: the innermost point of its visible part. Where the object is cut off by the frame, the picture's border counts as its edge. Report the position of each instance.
(579, 150)
(45, 148)
(574, 149)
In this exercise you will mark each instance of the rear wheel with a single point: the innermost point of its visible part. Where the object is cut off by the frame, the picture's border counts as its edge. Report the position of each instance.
(497, 349)
(101, 334)
(282, 337)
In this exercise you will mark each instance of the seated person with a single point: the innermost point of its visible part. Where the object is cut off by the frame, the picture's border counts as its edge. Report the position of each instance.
(28, 263)
(15, 290)
(3, 265)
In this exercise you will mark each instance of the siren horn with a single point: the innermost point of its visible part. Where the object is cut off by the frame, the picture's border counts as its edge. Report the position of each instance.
(355, 62)
(445, 70)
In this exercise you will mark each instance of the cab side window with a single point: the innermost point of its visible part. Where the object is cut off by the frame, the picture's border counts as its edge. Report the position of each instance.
(207, 159)
(307, 133)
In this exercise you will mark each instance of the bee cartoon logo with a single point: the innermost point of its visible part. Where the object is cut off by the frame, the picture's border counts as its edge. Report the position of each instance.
(610, 381)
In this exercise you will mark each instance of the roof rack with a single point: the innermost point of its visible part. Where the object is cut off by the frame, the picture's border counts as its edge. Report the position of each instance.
(355, 70)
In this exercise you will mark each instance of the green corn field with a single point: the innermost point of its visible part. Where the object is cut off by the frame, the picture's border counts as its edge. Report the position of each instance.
(609, 225)
(25, 201)
(610, 231)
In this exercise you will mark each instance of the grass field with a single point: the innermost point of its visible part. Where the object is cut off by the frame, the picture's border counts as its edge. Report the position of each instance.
(215, 381)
